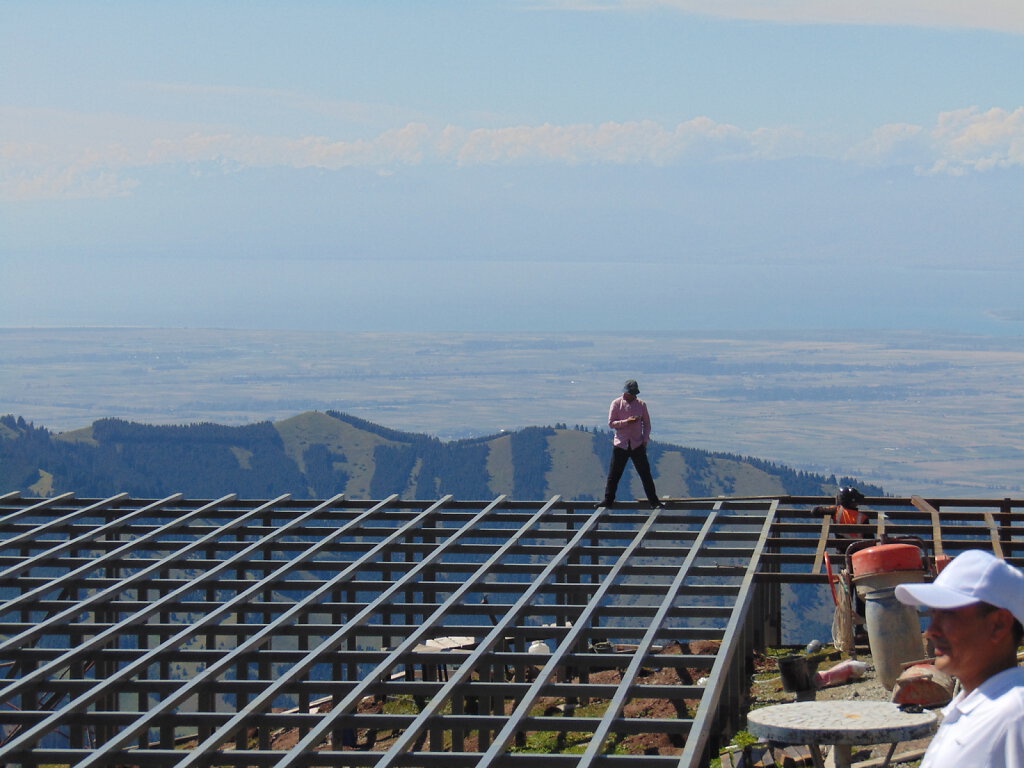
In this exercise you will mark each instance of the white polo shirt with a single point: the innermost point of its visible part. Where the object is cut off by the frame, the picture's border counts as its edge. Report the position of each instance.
(985, 728)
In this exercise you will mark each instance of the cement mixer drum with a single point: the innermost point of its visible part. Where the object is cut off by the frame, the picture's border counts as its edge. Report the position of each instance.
(894, 629)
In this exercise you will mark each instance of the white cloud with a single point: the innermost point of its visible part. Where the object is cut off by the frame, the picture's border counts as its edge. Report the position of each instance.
(98, 163)
(962, 141)
(969, 139)
(997, 15)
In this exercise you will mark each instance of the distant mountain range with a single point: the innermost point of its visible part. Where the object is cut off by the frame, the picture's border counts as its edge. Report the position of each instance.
(319, 454)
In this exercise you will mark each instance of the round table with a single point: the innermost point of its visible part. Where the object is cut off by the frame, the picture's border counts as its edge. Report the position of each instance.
(840, 723)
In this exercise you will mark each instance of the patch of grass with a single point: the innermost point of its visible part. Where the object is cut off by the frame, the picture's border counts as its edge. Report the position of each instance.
(554, 742)
(744, 739)
(739, 741)
(572, 742)
(401, 705)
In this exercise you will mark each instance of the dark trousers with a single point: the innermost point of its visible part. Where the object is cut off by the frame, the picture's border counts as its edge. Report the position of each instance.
(618, 465)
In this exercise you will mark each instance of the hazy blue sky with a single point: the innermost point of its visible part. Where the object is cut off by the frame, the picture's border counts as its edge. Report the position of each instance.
(513, 165)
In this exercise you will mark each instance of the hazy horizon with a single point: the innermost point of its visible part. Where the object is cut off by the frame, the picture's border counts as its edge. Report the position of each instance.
(928, 413)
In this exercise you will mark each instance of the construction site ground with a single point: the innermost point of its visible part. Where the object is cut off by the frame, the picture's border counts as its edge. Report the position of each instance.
(766, 689)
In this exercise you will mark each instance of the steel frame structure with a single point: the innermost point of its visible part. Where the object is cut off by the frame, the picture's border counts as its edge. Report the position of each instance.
(175, 632)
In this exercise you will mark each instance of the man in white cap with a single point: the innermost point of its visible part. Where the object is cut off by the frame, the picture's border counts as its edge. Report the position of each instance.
(977, 610)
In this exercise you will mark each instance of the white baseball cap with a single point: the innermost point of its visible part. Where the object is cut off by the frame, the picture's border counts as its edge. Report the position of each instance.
(971, 577)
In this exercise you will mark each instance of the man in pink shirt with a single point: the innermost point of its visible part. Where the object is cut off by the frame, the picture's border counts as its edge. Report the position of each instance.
(629, 418)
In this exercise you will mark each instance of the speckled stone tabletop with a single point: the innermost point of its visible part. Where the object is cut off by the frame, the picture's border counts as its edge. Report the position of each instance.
(839, 722)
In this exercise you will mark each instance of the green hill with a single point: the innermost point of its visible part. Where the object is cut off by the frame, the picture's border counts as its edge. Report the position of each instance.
(319, 454)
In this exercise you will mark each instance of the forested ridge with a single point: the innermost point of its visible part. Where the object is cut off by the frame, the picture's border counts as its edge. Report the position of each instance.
(317, 455)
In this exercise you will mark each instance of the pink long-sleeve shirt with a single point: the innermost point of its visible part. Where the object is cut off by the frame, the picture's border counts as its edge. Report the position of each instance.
(630, 434)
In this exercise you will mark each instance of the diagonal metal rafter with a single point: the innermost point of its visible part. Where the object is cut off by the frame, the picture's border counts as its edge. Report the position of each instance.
(43, 558)
(260, 638)
(264, 699)
(324, 727)
(702, 725)
(580, 627)
(36, 533)
(631, 672)
(29, 736)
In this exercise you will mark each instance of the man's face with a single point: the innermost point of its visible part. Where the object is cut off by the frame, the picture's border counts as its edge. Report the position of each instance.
(629, 397)
(961, 638)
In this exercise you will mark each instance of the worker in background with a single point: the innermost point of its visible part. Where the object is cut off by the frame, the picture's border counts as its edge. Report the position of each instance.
(847, 509)
(977, 609)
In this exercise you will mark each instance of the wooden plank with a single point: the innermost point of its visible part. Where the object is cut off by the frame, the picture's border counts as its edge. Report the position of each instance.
(993, 532)
(819, 555)
(927, 508)
(797, 756)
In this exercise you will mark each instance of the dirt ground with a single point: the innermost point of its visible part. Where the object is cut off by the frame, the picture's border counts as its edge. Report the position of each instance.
(639, 708)
(766, 688)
